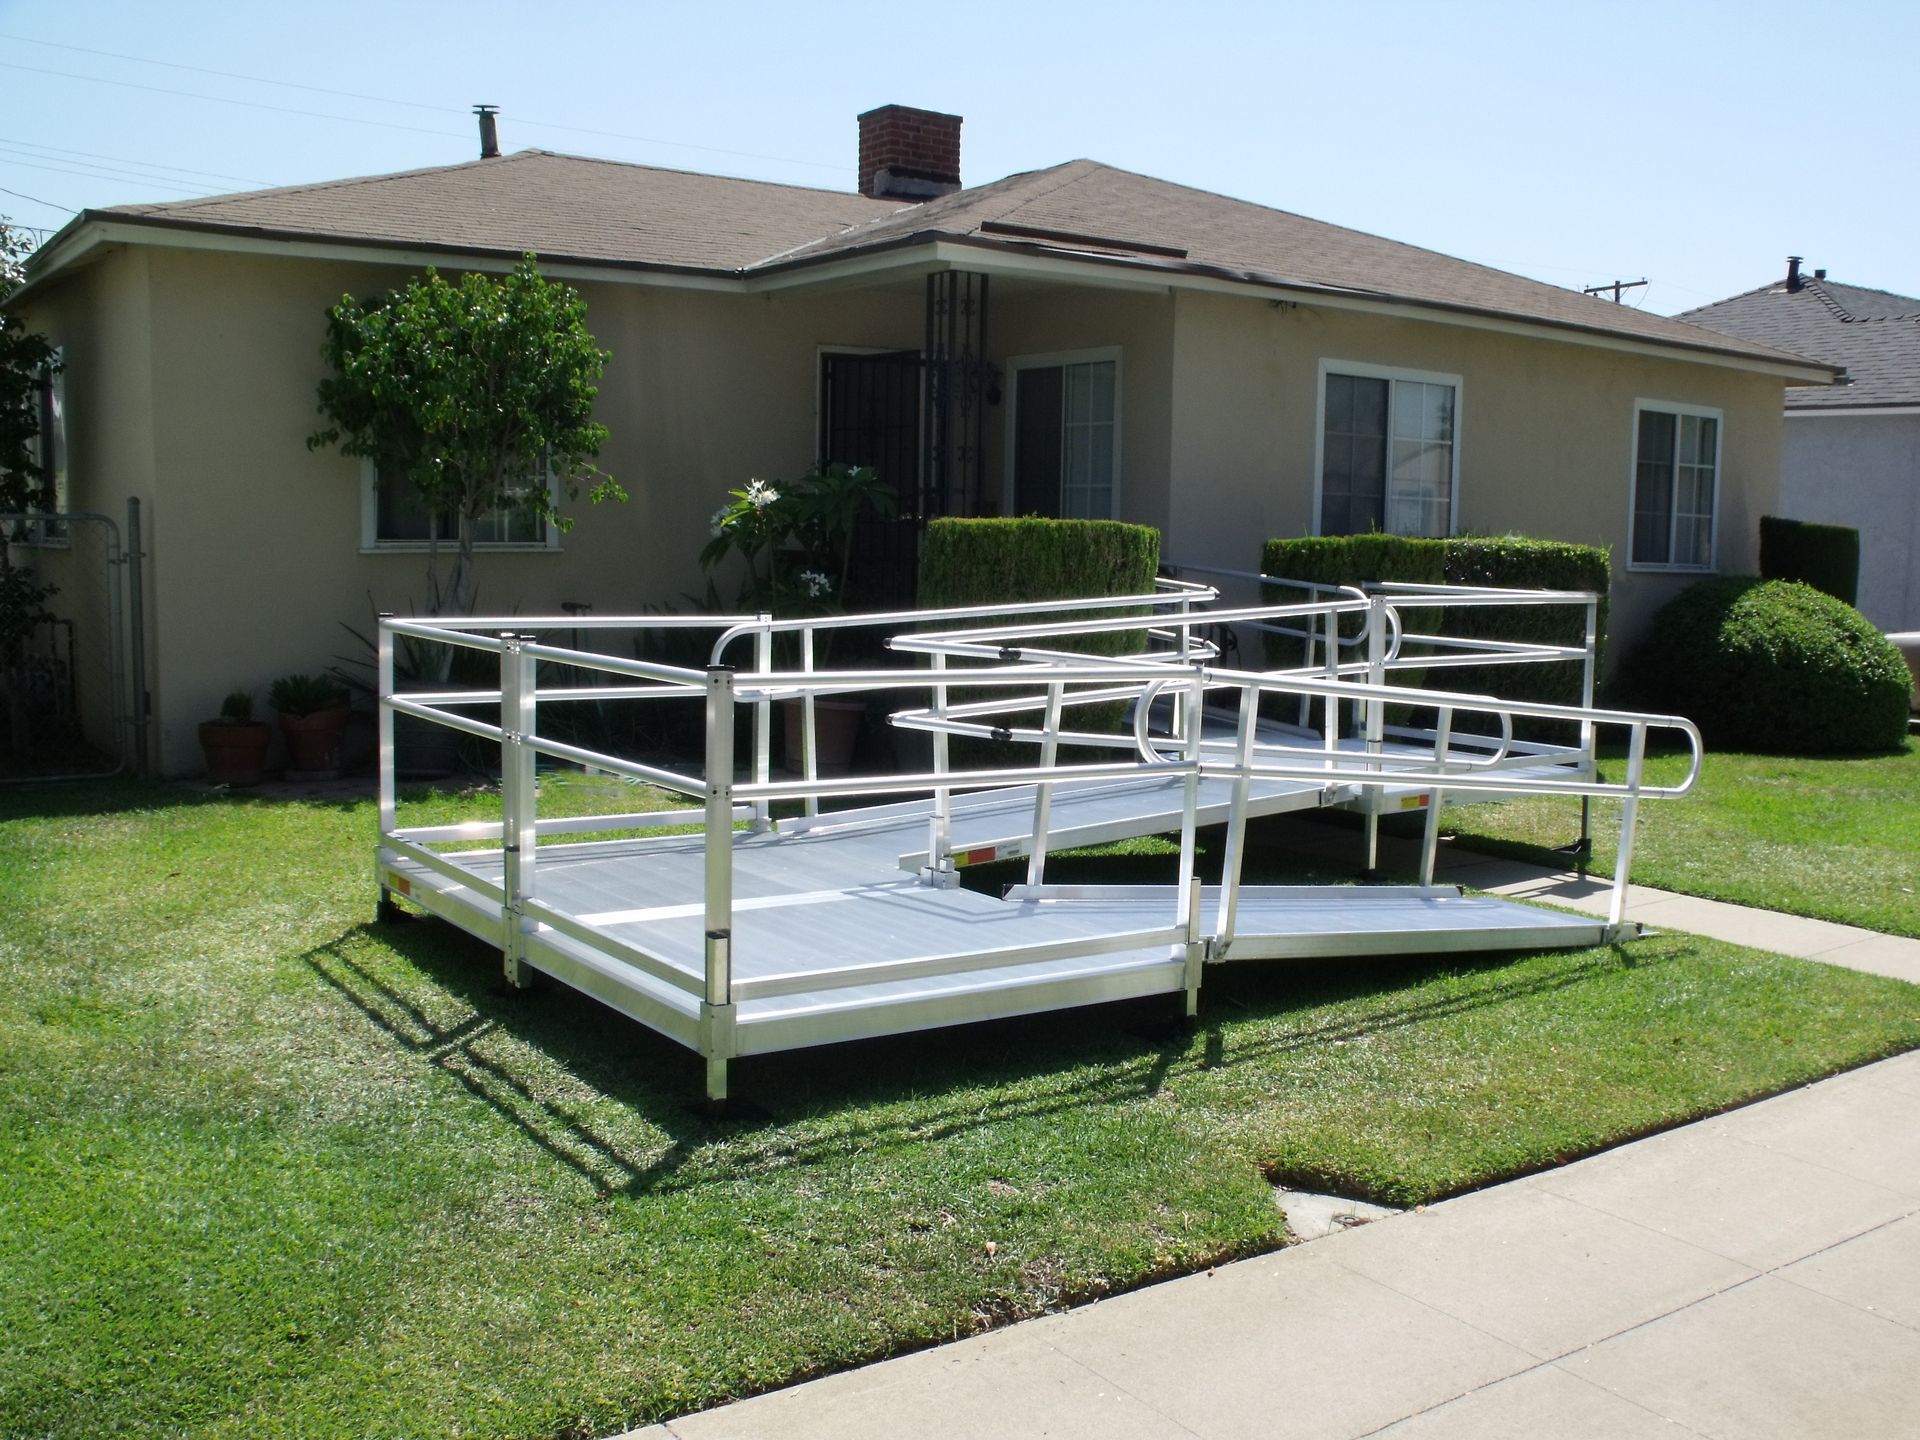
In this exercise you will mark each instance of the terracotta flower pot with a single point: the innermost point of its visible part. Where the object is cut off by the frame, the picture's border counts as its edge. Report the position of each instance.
(313, 741)
(836, 726)
(236, 753)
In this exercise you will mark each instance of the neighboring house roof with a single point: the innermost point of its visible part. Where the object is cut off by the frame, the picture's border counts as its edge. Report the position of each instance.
(1875, 334)
(601, 212)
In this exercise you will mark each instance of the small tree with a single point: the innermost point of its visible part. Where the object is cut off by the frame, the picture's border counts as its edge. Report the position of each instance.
(25, 484)
(469, 393)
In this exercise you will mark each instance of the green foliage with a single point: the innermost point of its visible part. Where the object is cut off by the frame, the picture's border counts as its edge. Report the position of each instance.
(25, 361)
(988, 561)
(1775, 666)
(1354, 560)
(272, 1171)
(237, 708)
(23, 605)
(796, 536)
(1511, 562)
(1520, 562)
(466, 391)
(1826, 557)
(1805, 836)
(976, 562)
(306, 694)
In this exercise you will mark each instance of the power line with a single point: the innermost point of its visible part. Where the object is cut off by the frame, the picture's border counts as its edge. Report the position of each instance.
(129, 160)
(96, 174)
(92, 170)
(18, 195)
(225, 100)
(389, 100)
(227, 74)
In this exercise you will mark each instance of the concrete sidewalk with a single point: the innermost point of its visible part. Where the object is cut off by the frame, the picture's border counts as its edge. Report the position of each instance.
(1753, 1275)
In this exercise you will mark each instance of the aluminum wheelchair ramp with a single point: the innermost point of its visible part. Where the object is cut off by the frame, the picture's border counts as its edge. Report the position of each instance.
(843, 924)
(1279, 922)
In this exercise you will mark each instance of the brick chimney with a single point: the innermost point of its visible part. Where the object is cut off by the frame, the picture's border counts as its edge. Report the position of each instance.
(908, 154)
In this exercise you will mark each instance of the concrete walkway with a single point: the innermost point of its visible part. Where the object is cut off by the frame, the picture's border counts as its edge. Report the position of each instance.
(1753, 1275)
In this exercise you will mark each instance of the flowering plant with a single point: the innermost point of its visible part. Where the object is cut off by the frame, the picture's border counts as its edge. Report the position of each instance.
(796, 536)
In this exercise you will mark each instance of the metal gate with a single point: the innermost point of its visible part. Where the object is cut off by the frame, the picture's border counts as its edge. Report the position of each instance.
(72, 661)
(870, 415)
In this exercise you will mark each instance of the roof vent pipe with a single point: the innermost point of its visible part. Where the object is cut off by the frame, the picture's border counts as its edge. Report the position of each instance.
(1793, 274)
(1819, 274)
(489, 131)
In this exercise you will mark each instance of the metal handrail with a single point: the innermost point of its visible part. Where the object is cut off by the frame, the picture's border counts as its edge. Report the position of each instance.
(1035, 678)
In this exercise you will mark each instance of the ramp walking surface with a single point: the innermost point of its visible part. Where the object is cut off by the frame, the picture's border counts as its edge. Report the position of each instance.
(1750, 1276)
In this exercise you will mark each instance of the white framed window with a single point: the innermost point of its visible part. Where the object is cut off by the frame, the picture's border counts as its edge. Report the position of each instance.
(1063, 435)
(1387, 452)
(48, 447)
(1676, 486)
(392, 517)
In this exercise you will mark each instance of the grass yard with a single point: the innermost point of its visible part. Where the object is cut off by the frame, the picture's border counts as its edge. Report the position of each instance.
(1834, 839)
(271, 1170)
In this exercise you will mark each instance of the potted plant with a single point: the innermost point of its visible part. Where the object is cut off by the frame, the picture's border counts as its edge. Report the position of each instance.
(235, 744)
(313, 713)
(796, 538)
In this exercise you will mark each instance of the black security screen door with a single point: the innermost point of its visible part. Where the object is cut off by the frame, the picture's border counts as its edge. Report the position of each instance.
(870, 415)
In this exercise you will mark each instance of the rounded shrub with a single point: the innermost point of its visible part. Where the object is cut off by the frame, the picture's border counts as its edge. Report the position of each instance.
(1773, 665)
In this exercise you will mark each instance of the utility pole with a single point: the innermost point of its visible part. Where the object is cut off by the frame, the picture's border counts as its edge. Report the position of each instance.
(1616, 286)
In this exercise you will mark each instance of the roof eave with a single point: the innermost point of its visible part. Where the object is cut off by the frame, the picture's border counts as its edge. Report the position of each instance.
(1159, 272)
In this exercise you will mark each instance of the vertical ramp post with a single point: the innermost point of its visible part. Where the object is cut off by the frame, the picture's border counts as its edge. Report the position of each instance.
(1229, 912)
(1043, 792)
(809, 733)
(518, 803)
(940, 871)
(1430, 843)
(1187, 892)
(763, 720)
(1376, 710)
(1629, 815)
(716, 1008)
(1587, 738)
(383, 751)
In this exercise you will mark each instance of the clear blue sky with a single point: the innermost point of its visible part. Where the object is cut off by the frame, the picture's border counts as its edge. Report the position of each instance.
(1696, 144)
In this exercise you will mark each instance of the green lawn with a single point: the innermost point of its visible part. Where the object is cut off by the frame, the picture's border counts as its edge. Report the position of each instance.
(1835, 839)
(270, 1170)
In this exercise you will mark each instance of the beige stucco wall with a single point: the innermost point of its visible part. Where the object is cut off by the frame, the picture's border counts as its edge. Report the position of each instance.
(1032, 320)
(100, 319)
(1544, 433)
(193, 378)
(255, 541)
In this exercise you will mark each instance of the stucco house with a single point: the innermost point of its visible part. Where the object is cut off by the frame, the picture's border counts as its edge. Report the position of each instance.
(1851, 452)
(1078, 340)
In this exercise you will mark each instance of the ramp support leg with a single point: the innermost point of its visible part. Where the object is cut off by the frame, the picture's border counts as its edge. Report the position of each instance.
(1196, 948)
(716, 1044)
(519, 801)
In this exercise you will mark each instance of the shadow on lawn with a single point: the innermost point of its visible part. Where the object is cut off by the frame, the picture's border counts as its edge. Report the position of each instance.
(807, 1107)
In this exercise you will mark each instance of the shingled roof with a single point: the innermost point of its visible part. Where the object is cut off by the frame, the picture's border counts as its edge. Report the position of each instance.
(571, 208)
(1875, 334)
(558, 206)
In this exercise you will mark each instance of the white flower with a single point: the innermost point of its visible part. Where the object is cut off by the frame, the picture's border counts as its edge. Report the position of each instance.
(718, 524)
(816, 583)
(760, 494)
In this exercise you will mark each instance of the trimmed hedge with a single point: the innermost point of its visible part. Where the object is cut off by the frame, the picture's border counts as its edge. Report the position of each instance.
(976, 562)
(1826, 557)
(1774, 665)
(1513, 562)
(988, 561)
